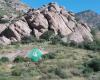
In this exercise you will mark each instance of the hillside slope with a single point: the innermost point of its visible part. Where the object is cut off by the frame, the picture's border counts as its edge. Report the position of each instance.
(65, 63)
(89, 17)
(11, 7)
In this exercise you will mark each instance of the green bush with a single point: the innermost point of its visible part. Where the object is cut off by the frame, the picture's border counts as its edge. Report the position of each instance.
(4, 21)
(61, 73)
(72, 43)
(56, 39)
(40, 40)
(16, 72)
(94, 64)
(4, 59)
(28, 39)
(2, 12)
(93, 32)
(95, 76)
(49, 56)
(91, 66)
(87, 70)
(25, 69)
(64, 44)
(91, 46)
(19, 59)
(47, 35)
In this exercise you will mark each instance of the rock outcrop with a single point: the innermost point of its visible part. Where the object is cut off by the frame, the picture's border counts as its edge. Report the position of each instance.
(62, 22)
(2, 27)
(18, 30)
(50, 17)
(4, 40)
(90, 17)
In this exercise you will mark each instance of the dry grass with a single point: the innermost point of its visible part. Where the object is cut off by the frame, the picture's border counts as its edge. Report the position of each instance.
(69, 59)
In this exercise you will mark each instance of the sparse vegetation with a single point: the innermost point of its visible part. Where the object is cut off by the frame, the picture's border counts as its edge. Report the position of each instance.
(16, 72)
(28, 39)
(49, 56)
(4, 21)
(4, 59)
(61, 63)
(61, 73)
(47, 35)
(19, 59)
(56, 39)
(94, 64)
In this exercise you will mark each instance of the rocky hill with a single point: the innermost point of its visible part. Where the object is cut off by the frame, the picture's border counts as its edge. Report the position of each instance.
(89, 17)
(11, 7)
(50, 17)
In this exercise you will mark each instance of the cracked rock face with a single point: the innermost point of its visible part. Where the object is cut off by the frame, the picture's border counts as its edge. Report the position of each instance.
(15, 32)
(53, 17)
(50, 17)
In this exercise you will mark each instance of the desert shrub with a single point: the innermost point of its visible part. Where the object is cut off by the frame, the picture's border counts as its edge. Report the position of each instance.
(50, 55)
(61, 73)
(56, 39)
(25, 69)
(87, 71)
(33, 71)
(19, 59)
(15, 43)
(26, 59)
(52, 76)
(93, 31)
(4, 21)
(16, 72)
(4, 59)
(64, 43)
(91, 46)
(47, 35)
(97, 41)
(76, 72)
(44, 77)
(91, 66)
(2, 12)
(61, 65)
(72, 43)
(95, 76)
(77, 19)
(1, 46)
(94, 64)
(28, 39)
(40, 40)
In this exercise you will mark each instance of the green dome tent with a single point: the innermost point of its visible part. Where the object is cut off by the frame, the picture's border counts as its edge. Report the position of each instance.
(35, 54)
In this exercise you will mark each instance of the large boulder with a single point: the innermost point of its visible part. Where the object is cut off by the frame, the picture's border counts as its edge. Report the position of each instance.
(4, 41)
(37, 22)
(17, 30)
(2, 27)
